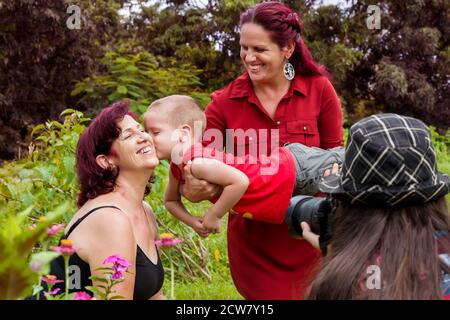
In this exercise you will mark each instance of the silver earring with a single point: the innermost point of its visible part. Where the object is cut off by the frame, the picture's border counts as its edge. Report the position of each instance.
(289, 71)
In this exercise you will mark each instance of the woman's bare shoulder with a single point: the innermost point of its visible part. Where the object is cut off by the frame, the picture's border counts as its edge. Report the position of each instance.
(102, 217)
(149, 211)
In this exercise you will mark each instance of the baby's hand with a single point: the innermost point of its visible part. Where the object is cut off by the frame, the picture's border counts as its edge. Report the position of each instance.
(211, 223)
(197, 225)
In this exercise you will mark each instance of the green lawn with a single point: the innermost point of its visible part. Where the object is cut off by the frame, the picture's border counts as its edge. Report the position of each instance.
(220, 287)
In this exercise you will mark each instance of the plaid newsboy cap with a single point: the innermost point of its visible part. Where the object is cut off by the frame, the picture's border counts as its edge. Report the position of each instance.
(389, 161)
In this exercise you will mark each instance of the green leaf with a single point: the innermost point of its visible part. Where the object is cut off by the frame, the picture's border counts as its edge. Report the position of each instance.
(98, 279)
(106, 269)
(68, 111)
(122, 60)
(96, 291)
(45, 173)
(25, 173)
(4, 190)
(44, 258)
(57, 124)
(122, 89)
(132, 68)
(37, 128)
(69, 163)
(23, 214)
(77, 90)
(16, 280)
(36, 289)
(27, 198)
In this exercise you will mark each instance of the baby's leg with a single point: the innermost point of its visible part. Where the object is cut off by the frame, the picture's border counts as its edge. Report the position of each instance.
(310, 164)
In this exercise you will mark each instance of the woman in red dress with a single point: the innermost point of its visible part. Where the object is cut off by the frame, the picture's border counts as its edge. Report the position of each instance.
(283, 96)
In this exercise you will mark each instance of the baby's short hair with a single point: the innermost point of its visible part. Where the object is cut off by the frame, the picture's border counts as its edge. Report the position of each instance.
(180, 109)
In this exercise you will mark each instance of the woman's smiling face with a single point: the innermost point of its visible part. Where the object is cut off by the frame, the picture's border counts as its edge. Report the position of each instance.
(263, 59)
(134, 147)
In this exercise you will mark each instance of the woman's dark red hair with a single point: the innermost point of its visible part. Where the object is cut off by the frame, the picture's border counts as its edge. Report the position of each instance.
(97, 139)
(284, 26)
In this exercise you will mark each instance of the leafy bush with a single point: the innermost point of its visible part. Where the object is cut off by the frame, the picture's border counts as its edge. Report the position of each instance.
(46, 178)
(138, 78)
(17, 239)
(442, 147)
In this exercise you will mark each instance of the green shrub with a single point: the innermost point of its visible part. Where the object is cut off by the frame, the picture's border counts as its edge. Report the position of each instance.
(138, 78)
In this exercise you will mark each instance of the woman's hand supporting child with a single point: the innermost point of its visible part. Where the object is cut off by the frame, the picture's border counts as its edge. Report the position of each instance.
(233, 181)
(196, 190)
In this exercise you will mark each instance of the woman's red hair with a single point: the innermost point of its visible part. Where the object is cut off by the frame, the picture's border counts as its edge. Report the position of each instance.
(97, 139)
(284, 26)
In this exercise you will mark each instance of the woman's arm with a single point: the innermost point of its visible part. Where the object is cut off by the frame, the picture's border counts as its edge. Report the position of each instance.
(112, 234)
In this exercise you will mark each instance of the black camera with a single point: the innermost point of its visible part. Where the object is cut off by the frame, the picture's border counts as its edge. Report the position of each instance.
(317, 212)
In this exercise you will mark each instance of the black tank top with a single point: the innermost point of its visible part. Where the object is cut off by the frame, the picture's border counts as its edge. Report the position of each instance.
(149, 276)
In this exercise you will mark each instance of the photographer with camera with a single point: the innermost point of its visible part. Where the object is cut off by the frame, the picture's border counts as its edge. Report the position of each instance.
(385, 222)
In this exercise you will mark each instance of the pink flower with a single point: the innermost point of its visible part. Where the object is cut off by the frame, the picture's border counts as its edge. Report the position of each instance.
(117, 275)
(55, 229)
(116, 259)
(81, 295)
(54, 291)
(167, 240)
(51, 279)
(119, 266)
(66, 247)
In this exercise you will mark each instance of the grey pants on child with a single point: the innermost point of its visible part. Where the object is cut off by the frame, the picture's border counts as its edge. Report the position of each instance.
(310, 164)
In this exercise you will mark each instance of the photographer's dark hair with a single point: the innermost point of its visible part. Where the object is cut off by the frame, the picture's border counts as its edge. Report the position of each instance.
(97, 139)
(401, 241)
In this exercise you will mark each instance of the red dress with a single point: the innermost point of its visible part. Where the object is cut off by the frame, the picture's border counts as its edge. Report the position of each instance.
(265, 262)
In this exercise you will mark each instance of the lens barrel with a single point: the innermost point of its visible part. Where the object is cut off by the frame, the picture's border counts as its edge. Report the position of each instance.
(313, 210)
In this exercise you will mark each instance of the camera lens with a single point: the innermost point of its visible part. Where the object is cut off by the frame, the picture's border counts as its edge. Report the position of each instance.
(312, 210)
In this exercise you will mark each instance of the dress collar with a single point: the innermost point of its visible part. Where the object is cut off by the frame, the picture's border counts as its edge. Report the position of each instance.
(242, 86)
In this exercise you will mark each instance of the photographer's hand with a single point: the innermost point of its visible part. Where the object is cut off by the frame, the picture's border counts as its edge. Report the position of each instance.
(309, 236)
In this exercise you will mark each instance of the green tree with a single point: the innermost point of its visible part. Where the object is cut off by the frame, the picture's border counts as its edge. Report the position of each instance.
(40, 58)
(139, 78)
(204, 36)
(406, 64)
